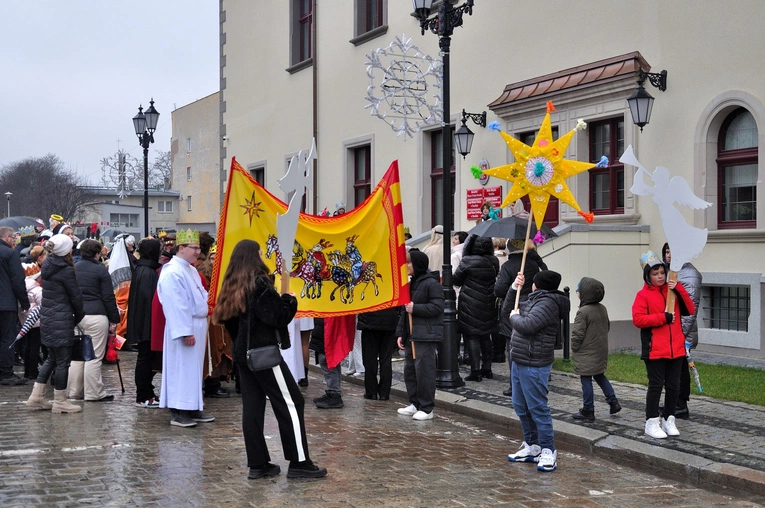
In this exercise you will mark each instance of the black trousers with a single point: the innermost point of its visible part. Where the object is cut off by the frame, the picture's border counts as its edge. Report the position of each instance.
(377, 347)
(32, 354)
(58, 358)
(662, 373)
(287, 403)
(144, 374)
(685, 385)
(481, 351)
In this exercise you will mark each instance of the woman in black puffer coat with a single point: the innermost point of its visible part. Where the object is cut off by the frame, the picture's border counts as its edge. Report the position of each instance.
(60, 311)
(477, 312)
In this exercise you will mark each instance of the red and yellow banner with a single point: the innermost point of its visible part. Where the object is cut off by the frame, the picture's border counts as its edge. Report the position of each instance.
(340, 265)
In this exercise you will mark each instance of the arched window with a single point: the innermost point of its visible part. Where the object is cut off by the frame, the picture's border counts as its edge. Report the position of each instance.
(737, 167)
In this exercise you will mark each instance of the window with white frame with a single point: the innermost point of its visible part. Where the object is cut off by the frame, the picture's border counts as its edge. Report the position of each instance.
(188, 203)
(188, 173)
(165, 206)
(188, 145)
(124, 220)
(259, 174)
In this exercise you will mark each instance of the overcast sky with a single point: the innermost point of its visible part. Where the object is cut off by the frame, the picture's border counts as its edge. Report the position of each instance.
(72, 74)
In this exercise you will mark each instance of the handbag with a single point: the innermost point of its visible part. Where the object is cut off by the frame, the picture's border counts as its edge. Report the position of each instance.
(265, 357)
(82, 347)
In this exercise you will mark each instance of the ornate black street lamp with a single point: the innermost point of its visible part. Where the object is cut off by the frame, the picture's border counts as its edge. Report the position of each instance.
(145, 124)
(443, 24)
(641, 102)
(464, 136)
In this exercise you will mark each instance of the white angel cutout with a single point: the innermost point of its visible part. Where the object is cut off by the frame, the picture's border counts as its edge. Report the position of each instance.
(687, 241)
(297, 180)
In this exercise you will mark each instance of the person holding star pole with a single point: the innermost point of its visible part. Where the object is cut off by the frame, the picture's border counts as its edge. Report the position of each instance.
(538, 171)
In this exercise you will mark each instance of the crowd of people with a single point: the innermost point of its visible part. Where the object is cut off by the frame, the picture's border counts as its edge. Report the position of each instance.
(154, 293)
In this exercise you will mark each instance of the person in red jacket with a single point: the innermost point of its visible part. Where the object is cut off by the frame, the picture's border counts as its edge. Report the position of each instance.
(663, 343)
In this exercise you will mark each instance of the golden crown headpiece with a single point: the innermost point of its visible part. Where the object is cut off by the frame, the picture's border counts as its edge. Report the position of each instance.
(650, 258)
(27, 231)
(162, 234)
(214, 248)
(187, 237)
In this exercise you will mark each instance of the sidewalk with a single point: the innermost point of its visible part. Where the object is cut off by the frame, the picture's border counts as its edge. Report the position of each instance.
(721, 443)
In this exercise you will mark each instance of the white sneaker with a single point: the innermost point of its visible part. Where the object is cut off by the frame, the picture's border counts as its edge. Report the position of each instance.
(653, 428)
(408, 410)
(669, 426)
(526, 453)
(548, 461)
(422, 416)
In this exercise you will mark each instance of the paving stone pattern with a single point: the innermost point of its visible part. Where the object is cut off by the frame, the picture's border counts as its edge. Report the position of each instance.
(114, 454)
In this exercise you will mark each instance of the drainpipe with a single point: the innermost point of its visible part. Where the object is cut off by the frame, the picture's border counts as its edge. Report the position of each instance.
(315, 110)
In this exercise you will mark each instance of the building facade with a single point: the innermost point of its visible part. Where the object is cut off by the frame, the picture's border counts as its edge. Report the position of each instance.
(295, 70)
(195, 154)
(125, 214)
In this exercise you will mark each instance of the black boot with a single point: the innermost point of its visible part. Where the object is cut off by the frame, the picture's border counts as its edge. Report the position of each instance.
(615, 407)
(585, 414)
(681, 411)
(475, 375)
(487, 373)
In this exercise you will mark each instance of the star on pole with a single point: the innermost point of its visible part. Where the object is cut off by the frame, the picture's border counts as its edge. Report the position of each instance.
(252, 208)
(540, 170)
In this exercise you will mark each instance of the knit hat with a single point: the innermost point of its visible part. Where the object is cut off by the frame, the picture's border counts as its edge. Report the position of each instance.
(547, 280)
(61, 245)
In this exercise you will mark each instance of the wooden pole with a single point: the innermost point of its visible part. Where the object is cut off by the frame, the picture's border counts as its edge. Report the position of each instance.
(671, 295)
(285, 283)
(523, 260)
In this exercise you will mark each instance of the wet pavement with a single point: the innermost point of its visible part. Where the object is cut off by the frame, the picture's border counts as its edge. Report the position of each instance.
(115, 454)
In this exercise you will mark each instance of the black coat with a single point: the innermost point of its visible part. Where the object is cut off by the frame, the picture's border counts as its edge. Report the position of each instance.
(476, 275)
(264, 323)
(13, 290)
(61, 307)
(96, 287)
(384, 320)
(535, 328)
(427, 313)
(503, 288)
(143, 285)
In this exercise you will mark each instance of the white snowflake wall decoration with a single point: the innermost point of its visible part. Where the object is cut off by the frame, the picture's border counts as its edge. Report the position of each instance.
(408, 96)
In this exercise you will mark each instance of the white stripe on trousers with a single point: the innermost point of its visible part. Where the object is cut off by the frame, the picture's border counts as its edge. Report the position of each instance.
(279, 376)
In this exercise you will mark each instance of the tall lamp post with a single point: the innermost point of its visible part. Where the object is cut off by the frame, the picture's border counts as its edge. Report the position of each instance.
(145, 124)
(443, 24)
(8, 197)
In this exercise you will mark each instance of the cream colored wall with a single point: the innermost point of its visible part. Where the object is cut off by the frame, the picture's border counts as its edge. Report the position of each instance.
(708, 48)
(199, 121)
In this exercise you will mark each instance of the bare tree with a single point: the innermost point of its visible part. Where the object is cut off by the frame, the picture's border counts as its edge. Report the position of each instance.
(160, 173)
(41, 186)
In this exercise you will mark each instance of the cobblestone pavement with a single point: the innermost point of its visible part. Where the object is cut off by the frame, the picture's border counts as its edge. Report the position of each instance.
(115, 454)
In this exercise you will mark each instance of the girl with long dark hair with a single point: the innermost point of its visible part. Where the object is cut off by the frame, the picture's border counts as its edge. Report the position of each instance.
(255, 315)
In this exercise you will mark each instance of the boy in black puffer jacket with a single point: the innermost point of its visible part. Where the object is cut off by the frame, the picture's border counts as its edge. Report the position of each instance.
(535, 328)
(425, 315)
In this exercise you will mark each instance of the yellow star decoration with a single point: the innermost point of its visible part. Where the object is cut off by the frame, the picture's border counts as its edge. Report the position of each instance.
(252, 208)
(540, 170)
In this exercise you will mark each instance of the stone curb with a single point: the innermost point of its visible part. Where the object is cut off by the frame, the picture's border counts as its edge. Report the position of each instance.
(699, 471)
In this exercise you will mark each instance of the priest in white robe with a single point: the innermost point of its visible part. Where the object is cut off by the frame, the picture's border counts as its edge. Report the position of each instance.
(184, 302)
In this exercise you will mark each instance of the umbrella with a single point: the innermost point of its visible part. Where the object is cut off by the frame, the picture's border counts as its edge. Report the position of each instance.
(510, 228)
(18, 222)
